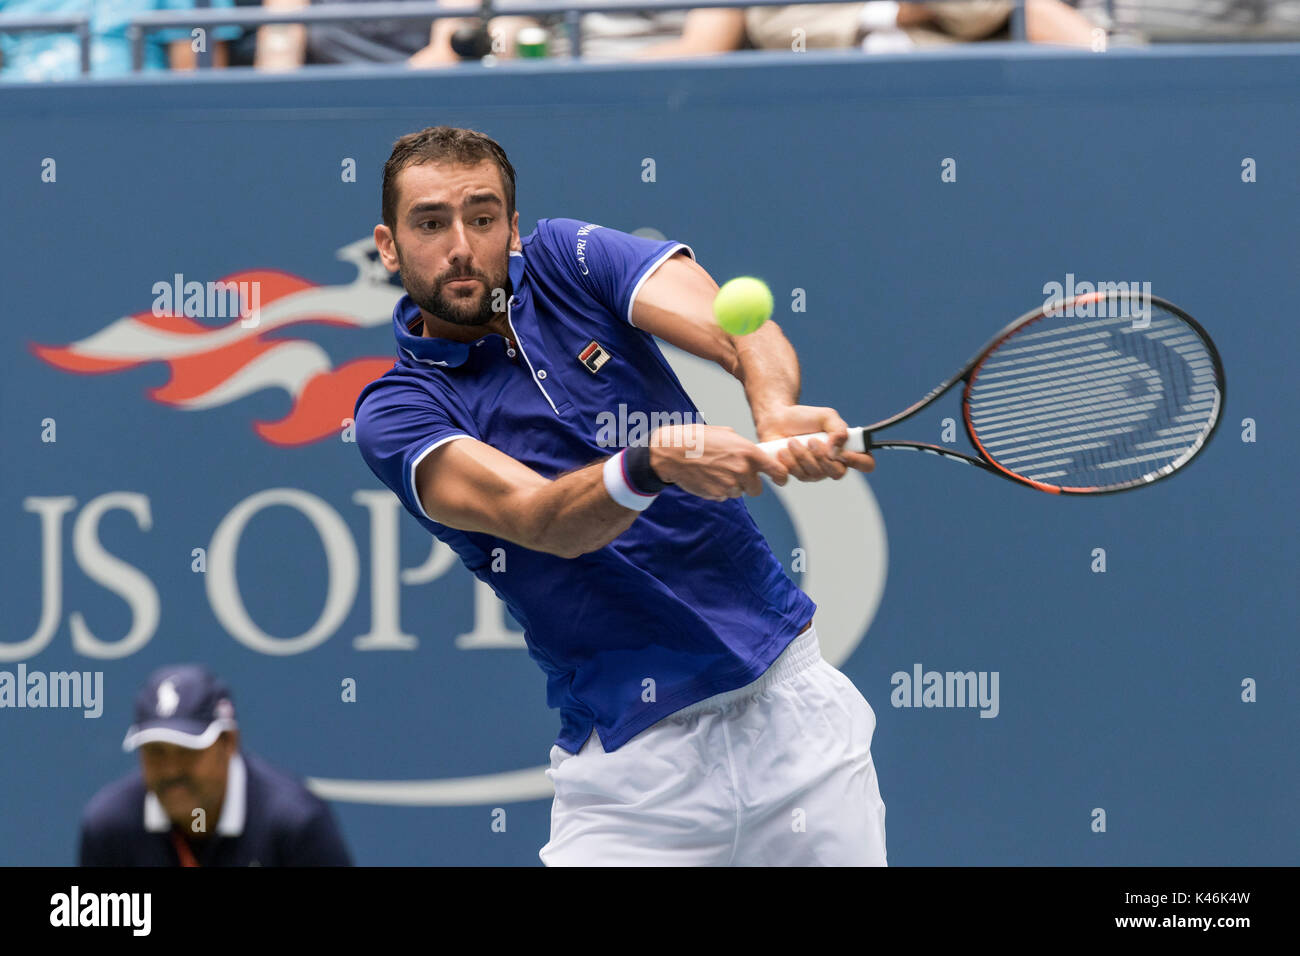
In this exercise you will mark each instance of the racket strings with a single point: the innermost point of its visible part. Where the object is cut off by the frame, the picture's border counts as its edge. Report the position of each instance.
(1096, 401)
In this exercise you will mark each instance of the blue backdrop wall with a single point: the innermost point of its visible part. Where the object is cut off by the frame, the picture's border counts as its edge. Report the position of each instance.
(1120, 691)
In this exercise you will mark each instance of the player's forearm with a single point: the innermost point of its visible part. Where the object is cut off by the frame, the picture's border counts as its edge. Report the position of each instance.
(574, 515)
(769, 370)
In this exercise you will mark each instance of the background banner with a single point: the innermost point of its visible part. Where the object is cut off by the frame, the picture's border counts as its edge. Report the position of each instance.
(185, 488)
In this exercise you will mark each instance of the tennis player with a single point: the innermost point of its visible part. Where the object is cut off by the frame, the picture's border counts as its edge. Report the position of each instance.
(699, 724)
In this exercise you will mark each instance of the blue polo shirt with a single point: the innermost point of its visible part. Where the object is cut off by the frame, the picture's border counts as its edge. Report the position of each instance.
(689, 601)
(268, 818)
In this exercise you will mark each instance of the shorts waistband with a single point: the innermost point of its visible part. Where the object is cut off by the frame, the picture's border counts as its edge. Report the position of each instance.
(800, 654)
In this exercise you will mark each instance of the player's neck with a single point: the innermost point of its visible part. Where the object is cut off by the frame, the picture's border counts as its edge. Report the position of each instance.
(433, 328)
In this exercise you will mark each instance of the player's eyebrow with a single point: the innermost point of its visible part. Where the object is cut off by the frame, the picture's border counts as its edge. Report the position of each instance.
(477, 199)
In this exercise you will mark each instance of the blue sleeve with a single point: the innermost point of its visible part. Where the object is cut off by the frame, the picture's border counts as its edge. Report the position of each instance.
(396, 427)
(230, 32)
(610, 265)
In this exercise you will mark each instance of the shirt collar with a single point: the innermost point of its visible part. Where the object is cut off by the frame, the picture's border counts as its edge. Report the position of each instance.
(233, 807)
(436, 352)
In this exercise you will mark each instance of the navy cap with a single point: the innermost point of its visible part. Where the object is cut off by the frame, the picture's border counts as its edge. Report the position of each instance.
(185, 704)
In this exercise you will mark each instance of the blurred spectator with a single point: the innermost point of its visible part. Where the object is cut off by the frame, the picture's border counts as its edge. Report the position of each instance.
(1172, 20)
(33, 57)
(609, 37)
(885, 26)
(1281, 17)
(288, 47)
(197, 798)
(244, 48)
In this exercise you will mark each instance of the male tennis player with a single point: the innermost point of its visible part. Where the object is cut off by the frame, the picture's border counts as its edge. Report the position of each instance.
(699, 723)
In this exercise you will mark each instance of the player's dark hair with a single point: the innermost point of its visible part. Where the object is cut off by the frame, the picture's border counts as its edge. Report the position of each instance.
(443, 144)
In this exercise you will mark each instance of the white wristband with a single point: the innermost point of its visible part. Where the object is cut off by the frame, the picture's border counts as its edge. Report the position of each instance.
(620, 489)
(879, 15)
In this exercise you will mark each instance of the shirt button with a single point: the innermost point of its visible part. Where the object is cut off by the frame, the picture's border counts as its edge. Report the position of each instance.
(541, 373)
(510, 352)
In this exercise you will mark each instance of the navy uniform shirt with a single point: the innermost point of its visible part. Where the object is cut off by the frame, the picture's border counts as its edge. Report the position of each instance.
(690, 597)
(267, 819)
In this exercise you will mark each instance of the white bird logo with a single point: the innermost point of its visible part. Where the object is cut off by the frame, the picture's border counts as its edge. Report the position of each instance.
(214, 366)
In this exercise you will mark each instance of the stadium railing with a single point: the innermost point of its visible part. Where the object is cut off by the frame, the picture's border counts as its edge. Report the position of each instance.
(207, 18)
(52, 23)
(351, 13)
(143, 24)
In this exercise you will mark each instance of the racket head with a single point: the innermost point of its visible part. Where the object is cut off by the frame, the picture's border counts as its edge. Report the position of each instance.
(1100, 393)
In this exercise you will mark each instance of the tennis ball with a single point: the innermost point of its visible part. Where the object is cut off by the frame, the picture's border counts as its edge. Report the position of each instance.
(742, 305)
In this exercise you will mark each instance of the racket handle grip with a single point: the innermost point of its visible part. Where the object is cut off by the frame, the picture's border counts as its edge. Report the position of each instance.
(857, 441)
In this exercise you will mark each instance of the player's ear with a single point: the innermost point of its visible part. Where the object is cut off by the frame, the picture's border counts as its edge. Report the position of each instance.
(516, 244)
(387, 249)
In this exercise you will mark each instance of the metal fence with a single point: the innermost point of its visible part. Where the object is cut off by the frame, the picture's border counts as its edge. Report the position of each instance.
(78, 24)
(142, 25)
(572, 10)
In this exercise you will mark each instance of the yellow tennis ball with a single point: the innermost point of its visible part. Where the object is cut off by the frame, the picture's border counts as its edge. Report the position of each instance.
(742, 305)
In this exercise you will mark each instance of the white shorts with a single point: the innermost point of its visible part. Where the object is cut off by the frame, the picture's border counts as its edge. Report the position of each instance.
(776, 773)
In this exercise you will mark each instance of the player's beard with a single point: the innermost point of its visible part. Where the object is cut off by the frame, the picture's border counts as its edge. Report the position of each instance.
(427, 294)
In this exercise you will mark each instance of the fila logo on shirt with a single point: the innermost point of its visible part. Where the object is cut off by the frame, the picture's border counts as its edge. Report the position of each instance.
(593, 357)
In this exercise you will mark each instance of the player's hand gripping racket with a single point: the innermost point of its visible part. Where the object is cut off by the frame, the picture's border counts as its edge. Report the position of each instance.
(1099, 393)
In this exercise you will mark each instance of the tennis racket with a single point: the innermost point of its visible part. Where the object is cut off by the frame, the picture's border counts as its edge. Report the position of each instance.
(1100, 393)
